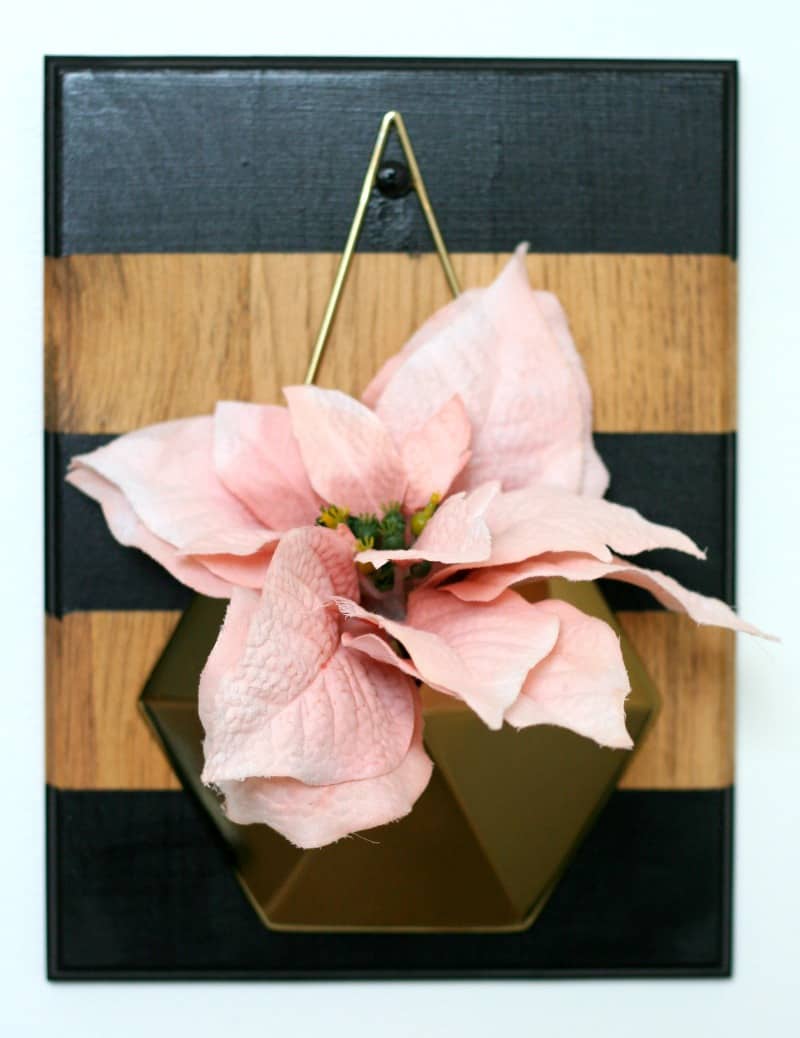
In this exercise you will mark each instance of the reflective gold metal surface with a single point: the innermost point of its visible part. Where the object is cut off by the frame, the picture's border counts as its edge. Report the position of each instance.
(482, 848)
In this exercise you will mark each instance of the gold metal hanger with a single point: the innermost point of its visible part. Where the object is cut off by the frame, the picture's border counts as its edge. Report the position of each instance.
(390, 120)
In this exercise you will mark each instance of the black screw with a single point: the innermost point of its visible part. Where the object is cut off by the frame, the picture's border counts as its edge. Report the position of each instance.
(393, 179)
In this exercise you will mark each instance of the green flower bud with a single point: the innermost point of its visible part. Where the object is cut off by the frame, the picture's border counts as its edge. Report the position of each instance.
(364, 527)
(420, 519)
(393, 541)
(383, 578)
(393, 529)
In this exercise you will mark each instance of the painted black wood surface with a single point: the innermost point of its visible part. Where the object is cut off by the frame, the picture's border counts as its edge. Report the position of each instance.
(207, 156)
(140, 888)
(680, 479)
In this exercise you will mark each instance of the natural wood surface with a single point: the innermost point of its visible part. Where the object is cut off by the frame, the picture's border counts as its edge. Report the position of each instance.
(691, 744)
(98, 663)
(134, 339)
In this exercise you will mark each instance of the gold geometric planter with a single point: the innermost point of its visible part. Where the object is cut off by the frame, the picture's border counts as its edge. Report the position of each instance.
(482, 848)
(504, 811)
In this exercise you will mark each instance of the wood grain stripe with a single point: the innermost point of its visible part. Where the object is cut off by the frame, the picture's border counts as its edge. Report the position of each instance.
(691, 745)
(133, 339)
(98, 662)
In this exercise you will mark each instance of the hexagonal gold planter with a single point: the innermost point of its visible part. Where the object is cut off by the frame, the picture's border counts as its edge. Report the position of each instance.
(481, 850)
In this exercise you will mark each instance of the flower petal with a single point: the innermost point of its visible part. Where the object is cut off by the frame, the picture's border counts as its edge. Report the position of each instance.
(129, 530)
(435, 453)
(282, 698)
(348, 454)
(485, 585)
(248, 571)
(457, 533)
(480, 653)
(257, 458)
(166, 472)
(581, 684)
(507, 352)
(436, 323)
(379, 649)
(530, 522)
(702, 609)
(594, 478)
(312, 816)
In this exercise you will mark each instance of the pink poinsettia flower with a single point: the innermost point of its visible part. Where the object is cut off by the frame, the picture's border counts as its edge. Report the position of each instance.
(370, 546)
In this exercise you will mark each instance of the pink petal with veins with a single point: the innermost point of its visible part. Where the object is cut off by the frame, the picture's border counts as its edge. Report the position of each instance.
(248, 571)
(486, 584)
(378, 648)
(702, 609)
(167, 475)
(581, 684)
(530, 522)
(286, 699)
(312, 816)
(480, 653)
(129, 530)
(594, 478)
(507, 352)
(348, 454)
(257, 458)
(435, 453)
(436, 323)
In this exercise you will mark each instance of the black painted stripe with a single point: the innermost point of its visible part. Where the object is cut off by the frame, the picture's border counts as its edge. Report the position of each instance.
(682, 479)
(268, 154)
(85, 568)
(647, 894)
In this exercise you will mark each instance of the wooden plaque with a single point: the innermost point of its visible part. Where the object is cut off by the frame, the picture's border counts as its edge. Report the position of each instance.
(195, 211)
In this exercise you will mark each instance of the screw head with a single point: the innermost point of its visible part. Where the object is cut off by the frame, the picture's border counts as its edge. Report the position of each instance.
(393, 179)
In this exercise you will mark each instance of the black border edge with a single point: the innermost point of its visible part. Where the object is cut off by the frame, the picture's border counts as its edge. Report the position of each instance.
(57, 974)
(64, 63)
(726, 891)
(53, 69)
(730, 169)
(52, 529)
(729, 507)
(52, 929)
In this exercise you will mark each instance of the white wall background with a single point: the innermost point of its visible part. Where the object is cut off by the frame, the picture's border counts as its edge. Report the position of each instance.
(764, 37)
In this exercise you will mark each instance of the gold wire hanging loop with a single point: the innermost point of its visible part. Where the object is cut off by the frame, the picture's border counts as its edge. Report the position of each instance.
(391, 119)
